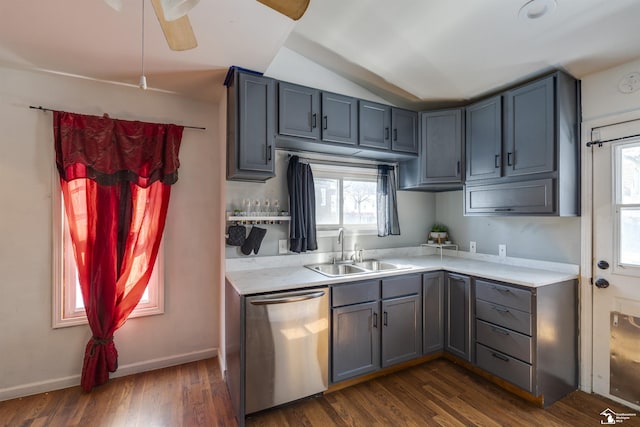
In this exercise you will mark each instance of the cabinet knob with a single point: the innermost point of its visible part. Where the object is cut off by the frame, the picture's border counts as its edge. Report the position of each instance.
(497, 161)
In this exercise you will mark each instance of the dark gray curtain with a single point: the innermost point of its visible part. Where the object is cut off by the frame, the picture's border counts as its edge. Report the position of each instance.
(302, 204)
(387, 203)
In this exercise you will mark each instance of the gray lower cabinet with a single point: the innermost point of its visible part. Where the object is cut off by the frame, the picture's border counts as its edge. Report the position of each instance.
(375, 324)
(356, 323)
(250, 127)
(458, 316)
(439, 166)
(432, 312)
(527, 336)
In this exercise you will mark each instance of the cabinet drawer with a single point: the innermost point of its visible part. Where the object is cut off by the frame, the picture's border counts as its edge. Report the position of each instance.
(508, 296)
(504, 316)
(503, 366)
(401, 286)
(504, 340)
(354, 293)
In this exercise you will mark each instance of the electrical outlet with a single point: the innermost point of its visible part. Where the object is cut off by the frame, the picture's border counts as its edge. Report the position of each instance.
(502, 251)
(472, 247)
(282, 247)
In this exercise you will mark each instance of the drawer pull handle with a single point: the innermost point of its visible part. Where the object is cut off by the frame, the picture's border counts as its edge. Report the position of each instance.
(375, 320)
(500, 310)
(501, 357)
(505, 290)
(500, 331)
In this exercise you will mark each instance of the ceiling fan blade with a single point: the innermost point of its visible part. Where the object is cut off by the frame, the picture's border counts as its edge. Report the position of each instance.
(294, 9)
(178, 33)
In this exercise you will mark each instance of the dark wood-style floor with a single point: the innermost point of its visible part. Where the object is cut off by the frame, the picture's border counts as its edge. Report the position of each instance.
(437, 393)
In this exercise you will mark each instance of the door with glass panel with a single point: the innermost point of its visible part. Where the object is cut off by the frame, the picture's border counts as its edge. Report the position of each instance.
(616, 270)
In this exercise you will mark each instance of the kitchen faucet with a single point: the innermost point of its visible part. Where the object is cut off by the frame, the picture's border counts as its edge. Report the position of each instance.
(341, 243)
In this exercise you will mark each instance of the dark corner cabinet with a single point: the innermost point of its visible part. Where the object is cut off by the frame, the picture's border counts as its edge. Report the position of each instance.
(375, 324)
(522, 150)
(458, 316)
(439, 166)
(251, 105)
(527, 336)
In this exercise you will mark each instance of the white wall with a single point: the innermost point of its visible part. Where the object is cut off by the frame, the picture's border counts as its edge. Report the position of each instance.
(36, 357)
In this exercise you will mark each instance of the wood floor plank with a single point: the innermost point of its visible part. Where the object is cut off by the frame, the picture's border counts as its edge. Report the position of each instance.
(436, 393)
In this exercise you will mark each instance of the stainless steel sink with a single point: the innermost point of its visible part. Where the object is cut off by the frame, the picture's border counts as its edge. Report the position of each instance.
(337, 269)
(375, 265)
(364, 267)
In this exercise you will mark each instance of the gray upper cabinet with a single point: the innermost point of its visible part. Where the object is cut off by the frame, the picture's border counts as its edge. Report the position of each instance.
(250, 127)
(374, 125)
(339, 118)
(404, 131)
(528, 163)
(484, 139)
(458, 317)
(530, 129)
(439, 165)
(298, 111)
(432, 312)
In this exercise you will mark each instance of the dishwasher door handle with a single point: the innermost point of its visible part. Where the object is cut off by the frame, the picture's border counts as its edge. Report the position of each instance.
(287, 298)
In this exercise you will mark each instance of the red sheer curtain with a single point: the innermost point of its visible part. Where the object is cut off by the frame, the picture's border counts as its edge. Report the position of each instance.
(116, 181)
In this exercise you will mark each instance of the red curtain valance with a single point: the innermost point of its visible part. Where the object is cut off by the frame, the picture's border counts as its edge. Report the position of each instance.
(109, 150)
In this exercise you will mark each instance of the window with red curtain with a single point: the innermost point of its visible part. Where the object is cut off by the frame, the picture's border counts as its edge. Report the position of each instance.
(116, 179)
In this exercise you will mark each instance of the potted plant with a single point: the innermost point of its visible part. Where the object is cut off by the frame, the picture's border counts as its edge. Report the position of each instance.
(439, 233)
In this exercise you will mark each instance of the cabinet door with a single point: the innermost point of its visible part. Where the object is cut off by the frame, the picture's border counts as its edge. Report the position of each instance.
(374, 125)
(339, 119)
(432, 312)
(401, 329)
(530, 129)
(484, 139)
(298, 111)
(356, 340)
(535, 197)
(404, 135)
(458, 315)
(251, 130)
(441, 143)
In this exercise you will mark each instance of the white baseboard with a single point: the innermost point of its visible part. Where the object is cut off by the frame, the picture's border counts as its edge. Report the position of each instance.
(132, 368)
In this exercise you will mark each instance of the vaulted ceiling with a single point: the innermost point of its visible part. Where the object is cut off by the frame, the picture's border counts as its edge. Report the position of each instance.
(412, 52)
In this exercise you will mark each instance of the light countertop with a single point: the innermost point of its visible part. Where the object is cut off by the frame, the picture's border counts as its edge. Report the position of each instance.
(255, 281)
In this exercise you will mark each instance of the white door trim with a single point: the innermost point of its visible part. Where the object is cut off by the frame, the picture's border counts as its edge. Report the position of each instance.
(586, 242)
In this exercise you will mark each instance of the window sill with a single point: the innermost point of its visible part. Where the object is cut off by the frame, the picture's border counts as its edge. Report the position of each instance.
(347, 232)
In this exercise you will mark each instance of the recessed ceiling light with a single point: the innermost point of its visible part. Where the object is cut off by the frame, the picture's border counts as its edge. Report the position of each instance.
(535, 9)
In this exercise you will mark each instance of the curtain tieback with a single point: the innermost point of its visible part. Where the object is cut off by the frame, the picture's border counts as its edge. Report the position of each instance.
(99, 341)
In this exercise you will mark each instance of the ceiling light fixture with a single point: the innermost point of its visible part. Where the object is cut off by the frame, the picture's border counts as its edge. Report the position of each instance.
(175, 9)
(143, 79)
(536, 9)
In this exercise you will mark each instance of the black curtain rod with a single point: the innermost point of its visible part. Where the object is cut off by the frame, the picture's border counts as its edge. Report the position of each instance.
(599, 143)
(39, 107)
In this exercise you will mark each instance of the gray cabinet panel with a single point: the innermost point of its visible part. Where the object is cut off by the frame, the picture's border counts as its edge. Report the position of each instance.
(355, 341)
(484, 139)
(504, 366)
(404, 133)
(353, 293)
(508, 317)
(505, 340)
(402, 329)
(250, 127)
(507, 296)
(298, 111)
(458, 316)
(530, 129)
(432, 312)
(441, 143)
(400, 286)
(339, 118)
(526, 197)
(374, 125)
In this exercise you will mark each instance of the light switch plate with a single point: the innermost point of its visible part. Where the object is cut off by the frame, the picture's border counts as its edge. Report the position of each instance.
(472, 247)
(502, 251)
(282, 247)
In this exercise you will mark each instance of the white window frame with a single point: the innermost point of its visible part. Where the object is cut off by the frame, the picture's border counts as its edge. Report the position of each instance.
(64, 311)
(618, 267)
(340, 172)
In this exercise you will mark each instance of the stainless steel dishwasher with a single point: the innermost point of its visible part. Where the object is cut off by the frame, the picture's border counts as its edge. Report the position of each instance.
(287, 347)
